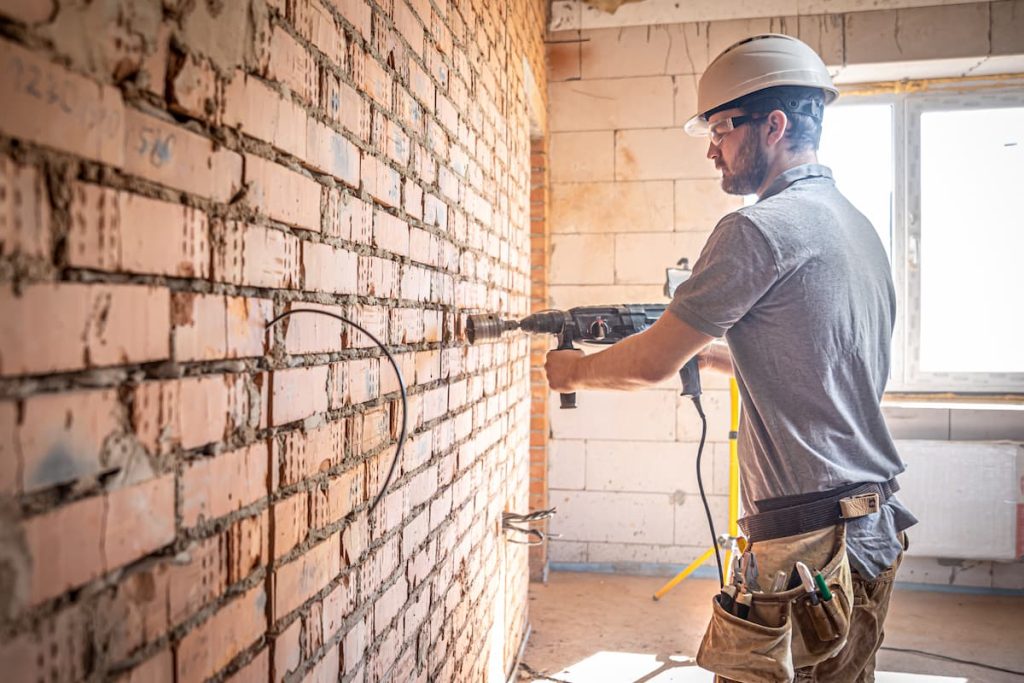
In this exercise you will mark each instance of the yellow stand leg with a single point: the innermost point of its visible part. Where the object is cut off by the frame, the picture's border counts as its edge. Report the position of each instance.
(734, 501)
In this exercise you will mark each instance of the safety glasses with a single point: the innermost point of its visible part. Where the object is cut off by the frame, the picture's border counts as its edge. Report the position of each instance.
(719, 129)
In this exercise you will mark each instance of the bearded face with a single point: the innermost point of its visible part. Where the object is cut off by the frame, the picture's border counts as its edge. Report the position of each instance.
(748, 169)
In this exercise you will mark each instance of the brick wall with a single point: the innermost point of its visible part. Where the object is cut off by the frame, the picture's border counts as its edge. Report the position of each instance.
(183, 495)
(540, 246)
(631, 193)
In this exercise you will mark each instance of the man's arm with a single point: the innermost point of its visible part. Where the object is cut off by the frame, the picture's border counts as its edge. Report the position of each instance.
(641, 360)
(717, 358)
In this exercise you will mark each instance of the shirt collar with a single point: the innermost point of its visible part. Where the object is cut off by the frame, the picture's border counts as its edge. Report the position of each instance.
(790, 176)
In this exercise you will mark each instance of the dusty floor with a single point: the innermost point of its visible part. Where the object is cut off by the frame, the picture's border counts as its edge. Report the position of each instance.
(579, 620)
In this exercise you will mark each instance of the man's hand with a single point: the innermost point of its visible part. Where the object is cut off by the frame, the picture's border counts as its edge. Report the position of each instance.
(562, 368)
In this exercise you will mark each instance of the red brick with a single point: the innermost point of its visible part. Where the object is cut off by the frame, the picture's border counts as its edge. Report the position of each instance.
(381, 181)
(354, 539)
(304, 454)
(139, 520)
(338, 604)
(246, 325)
(211, 645)
(297, 394)
(70, 326)
(345, 106)
(415, 283)
(364, 380)
(337, 385)
(199, 326)
(409, 26)
(254, 255)
(313, 333)
(59, 648)
(196, 578)
(389, 605)
(357, 13)
(256, 671)
(257, 110)
(304, 577)
(60, 438)
(216, 486)
(316, 25)
(333, 503)
(54, 107)
(157, 669)
(390, 233)
(65, 547)
(173, 156)
(291, 523)
(328, 269)
(421, 85)
(413, 199)
(353, 646)
(193, 90)
(287, 650)
(328, 152)
(188, 413)
(291, 65)
(373, 79)
(327, 669)
(24, 211)
(10, 457)
(27, 11)
(377, 277)
(282, 194)
(374, 320)
(370, 431)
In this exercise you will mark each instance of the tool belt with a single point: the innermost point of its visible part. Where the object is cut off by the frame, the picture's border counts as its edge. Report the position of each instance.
(793, 515)
(762, 636)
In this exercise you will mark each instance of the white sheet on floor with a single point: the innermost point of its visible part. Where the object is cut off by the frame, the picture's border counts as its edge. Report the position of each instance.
(634, 667)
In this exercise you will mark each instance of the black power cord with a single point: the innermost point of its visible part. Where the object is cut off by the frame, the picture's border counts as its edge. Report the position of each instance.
(700, 485)
(401, 385)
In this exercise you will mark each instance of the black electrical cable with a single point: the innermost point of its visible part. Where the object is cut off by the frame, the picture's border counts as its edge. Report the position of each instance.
(401, 385)
(952, 659)
(700, 485)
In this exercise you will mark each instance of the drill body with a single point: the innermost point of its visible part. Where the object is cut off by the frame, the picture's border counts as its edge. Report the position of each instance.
(588, 324)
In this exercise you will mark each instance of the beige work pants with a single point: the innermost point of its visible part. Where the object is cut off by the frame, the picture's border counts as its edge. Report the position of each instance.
(855, 663)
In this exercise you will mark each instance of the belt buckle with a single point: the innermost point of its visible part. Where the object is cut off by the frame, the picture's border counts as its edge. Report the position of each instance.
(859, 506)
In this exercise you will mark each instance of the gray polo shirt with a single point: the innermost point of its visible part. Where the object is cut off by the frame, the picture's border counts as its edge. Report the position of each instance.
(800, 286)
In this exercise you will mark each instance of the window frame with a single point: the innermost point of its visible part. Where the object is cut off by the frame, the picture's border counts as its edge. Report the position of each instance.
(909, 102)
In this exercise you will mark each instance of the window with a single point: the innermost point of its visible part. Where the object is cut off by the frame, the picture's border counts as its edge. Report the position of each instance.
(939, 174)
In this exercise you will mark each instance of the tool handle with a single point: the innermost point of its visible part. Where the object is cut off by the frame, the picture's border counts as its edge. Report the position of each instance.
(566, 401)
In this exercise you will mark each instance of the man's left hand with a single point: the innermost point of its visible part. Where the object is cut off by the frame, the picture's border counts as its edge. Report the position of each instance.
(562, 368)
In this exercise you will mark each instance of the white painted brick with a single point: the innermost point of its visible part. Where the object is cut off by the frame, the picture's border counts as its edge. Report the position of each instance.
(613, 517)
(1008, 575)
(644, 466)
(700, 204)
(582, 259)
(609, 104)
(641, 258)
(642, 553)
(567, 296)
(692, 523)
(659, 154)
(716, 407)
(685, 93)
(566, 464)
(639, 416)
(612, 207)
(928, 570)
(917, 33)
(723, 34)
(560, 550)
(581, 157)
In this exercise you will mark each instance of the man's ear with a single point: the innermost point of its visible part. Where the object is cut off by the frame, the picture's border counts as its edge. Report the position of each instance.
(777, 122)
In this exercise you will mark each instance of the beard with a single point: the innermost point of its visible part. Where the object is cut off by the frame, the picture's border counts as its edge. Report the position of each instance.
(748, 170)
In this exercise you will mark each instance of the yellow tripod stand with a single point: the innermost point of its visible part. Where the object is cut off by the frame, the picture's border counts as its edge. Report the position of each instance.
(733, 539)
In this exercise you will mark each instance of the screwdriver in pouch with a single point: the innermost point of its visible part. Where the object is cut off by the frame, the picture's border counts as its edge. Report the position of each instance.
(819, 619)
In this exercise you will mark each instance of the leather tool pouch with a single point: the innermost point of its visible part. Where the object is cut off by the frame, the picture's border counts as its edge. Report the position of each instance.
(784, 631)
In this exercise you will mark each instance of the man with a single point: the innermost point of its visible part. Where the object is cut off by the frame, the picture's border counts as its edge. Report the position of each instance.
(799, 285)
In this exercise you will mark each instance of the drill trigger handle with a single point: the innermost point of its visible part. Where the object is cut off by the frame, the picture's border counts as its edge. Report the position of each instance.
(565, 343)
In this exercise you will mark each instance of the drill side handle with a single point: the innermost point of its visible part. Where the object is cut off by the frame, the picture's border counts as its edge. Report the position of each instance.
(565, 343)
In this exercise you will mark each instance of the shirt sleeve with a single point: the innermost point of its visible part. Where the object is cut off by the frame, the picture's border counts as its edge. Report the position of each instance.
(735, 269)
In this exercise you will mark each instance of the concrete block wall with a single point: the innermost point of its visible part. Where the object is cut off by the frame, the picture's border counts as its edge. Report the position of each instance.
(185, 496)
(631, 194)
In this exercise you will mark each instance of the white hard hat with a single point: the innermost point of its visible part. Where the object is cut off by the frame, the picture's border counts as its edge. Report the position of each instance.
(754, 64)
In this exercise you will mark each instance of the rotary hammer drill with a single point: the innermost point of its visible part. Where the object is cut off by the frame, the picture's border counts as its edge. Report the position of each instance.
(587, 324)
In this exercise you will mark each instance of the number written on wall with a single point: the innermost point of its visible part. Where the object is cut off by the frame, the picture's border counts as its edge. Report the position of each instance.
(53, 90)
(156, 147)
